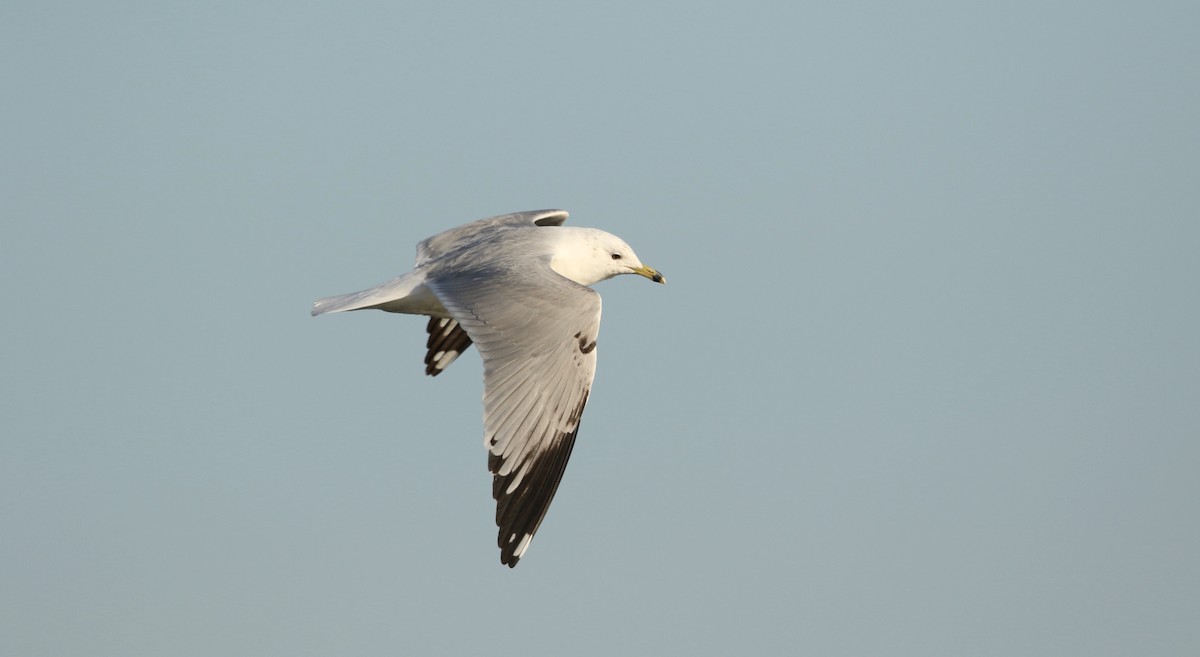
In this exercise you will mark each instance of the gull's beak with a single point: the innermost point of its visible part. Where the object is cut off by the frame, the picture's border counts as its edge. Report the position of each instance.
(650, 273)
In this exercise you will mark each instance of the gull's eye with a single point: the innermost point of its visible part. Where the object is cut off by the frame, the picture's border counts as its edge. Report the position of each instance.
(616, 256)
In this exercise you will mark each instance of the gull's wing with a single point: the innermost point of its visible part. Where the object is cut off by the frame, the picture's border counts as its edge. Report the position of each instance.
(471, 233)
(447, 340)
(536, 332)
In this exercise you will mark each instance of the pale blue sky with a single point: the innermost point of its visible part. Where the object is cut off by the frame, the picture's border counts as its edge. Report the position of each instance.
(924, 382)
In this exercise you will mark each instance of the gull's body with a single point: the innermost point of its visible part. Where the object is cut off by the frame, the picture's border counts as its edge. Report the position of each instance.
(516, 286)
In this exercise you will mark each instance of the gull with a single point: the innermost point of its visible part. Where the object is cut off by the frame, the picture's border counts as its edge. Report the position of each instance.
(517, 287)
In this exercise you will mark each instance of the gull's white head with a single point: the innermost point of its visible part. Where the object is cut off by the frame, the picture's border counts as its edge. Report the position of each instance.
(589, 255)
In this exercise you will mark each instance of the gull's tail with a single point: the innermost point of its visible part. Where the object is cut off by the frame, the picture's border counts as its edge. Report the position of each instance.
(385, 296)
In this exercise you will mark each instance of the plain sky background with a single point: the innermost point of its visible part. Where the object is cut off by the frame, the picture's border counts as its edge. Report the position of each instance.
(925, 380)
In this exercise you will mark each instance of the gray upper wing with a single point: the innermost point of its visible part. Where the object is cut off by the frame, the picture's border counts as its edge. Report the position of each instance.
(536, 332)
(471, 233)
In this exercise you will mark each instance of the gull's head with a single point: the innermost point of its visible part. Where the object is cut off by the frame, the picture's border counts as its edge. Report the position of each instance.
(588, 255)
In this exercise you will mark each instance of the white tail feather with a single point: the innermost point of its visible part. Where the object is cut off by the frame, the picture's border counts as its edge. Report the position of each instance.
(403, 294)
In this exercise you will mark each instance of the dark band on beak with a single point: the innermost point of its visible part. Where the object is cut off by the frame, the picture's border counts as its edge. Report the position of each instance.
(642, 270)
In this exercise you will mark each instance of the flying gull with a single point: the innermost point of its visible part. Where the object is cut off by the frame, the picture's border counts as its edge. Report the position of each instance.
(516, 286)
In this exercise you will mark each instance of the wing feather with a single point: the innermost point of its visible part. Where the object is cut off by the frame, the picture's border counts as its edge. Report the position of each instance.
(468, 234)
(447, 341)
